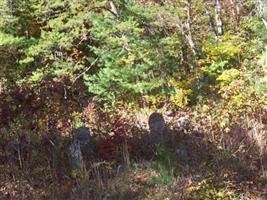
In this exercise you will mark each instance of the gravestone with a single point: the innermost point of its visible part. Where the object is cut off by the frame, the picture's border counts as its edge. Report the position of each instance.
(81, 148)
(75, 155)
(83, 136)
(157, 126)
(182, 153)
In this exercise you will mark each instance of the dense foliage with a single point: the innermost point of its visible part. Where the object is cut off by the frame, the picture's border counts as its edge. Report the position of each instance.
(126, 50)
(78, 61)
(130, 50)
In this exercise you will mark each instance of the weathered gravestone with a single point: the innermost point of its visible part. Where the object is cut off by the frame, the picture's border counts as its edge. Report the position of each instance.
(83, 136)
(157, 126)
(182, 153)
(75, 155)
(81, 147)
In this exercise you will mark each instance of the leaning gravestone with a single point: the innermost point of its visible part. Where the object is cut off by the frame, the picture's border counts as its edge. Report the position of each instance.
(156, 125)
(81, 147)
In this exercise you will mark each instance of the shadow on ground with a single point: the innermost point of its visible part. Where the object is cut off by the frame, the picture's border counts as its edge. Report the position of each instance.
(126, 165)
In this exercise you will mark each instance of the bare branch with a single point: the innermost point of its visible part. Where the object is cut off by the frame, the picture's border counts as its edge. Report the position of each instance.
(86, 70)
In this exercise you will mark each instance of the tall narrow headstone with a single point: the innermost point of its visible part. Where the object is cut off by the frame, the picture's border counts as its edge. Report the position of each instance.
(81, 148)
(75, 156)
(157, 125)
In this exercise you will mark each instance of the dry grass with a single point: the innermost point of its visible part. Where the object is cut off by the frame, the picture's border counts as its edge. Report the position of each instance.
(221, 165)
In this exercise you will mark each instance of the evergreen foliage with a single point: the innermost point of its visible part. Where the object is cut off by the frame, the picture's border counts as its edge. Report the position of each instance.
(128, 51)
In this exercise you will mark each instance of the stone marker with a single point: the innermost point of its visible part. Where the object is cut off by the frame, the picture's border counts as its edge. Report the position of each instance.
(82, 147)
(83, 136)
(182, 153)
(75, 155)
(156, 125)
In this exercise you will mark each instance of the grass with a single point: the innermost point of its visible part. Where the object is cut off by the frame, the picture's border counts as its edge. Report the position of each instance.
(211, 172)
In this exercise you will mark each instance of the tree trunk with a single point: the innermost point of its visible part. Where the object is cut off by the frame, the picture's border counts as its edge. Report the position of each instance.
(186, 29)
(218, 17)
(261, 10)
(235, 11)
(211, 22)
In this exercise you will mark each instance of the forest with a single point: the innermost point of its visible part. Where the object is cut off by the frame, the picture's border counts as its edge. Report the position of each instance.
(133, 99)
